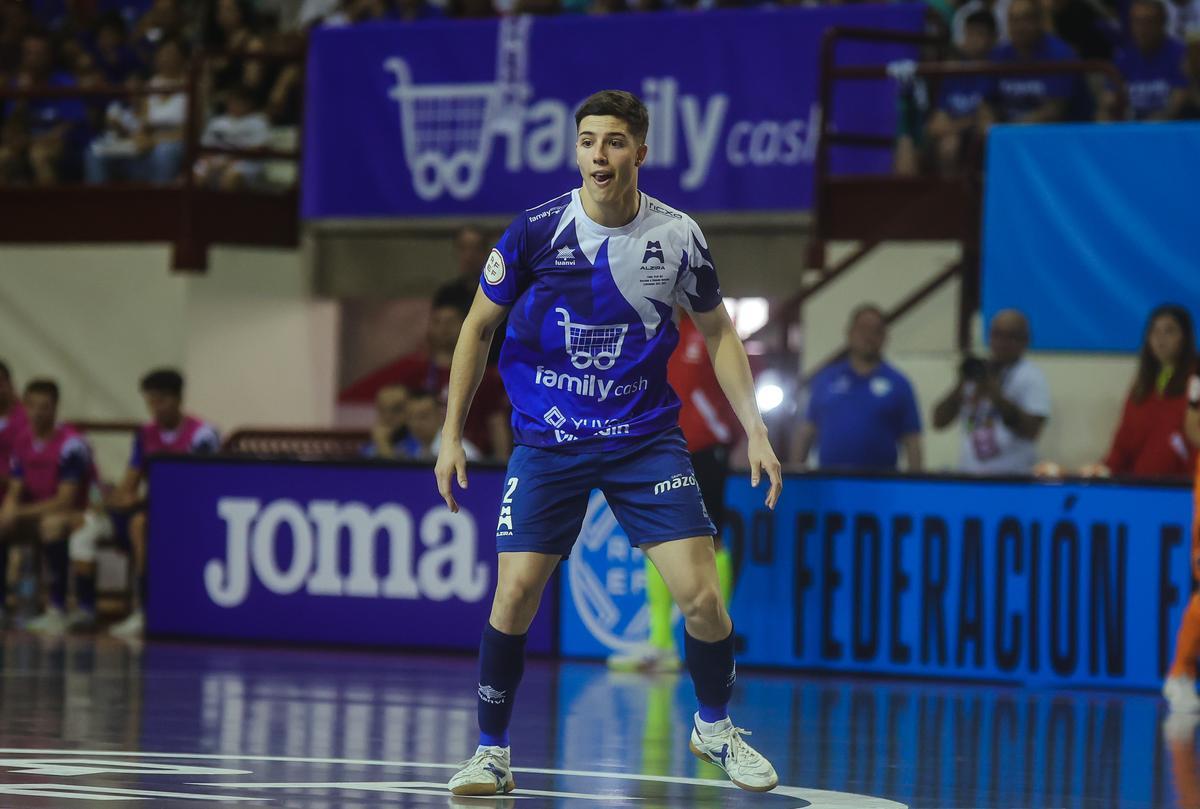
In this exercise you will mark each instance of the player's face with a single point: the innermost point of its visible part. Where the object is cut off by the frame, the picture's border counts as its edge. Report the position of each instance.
(162, 407)
(42, 411)
(424, 419)
(1166, 340)
(608, 158)
(390, 405)
(867, 335)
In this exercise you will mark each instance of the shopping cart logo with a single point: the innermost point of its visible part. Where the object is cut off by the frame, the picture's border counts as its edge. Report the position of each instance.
(592, 346)
(448, 129)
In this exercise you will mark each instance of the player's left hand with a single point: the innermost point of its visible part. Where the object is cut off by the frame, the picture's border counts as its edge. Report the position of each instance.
(451, 465)
(762, 459)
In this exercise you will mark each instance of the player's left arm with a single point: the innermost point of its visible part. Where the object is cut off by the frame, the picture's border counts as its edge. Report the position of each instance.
(733, 373)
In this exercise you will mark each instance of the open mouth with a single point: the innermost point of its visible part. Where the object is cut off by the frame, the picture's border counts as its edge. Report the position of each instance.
(601, 178)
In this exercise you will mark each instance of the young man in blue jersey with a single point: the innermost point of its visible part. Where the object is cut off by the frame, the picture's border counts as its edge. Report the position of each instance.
(588, 281)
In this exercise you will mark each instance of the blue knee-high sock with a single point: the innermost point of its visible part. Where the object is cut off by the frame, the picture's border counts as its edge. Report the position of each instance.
(713, 673)
(59, 564)
(501, 664)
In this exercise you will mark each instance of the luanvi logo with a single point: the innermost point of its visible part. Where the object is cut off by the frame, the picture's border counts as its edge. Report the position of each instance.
(168, 780)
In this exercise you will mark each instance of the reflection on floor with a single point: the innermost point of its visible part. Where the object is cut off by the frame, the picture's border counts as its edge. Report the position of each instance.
(87, 721)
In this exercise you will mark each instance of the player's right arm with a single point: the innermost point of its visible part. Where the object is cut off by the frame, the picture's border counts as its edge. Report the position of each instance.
(466, 370)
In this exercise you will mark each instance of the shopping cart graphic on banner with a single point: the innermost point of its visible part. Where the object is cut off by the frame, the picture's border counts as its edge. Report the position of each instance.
(589, 346)
(448, 129)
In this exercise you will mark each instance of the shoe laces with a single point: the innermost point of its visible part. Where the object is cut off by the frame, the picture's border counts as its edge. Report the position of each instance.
(480, 759)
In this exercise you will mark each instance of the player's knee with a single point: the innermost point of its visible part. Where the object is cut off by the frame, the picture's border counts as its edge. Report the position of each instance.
(703, 607)
(515, 598)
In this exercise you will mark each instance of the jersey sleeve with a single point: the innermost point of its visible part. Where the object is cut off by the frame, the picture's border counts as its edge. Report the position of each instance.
(506, 273)
(75, 461)
(696, 287)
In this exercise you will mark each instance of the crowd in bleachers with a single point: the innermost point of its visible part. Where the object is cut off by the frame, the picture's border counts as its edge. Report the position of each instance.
(144, 45)
(1155, 44)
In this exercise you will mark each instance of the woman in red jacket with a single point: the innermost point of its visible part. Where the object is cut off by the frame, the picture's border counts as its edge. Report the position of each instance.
(1150, 440)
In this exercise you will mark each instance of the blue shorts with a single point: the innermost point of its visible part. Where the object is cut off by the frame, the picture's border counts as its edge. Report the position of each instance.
(650, 487)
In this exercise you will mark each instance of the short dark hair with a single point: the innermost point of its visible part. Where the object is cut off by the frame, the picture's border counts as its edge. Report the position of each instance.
(454, 296)
(984, 18)
(43, 386)
(619, 104)
(864, 308)
(163, 380)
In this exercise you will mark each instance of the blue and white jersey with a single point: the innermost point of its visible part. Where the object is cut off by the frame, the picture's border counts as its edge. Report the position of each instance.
(590, 331)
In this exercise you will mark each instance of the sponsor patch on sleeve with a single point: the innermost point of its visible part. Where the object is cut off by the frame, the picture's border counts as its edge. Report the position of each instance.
(493, 271)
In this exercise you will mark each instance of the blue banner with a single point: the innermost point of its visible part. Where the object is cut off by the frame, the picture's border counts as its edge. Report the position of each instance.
(323, 553)
(1088, 228)
(1031, 583)
(471, 117)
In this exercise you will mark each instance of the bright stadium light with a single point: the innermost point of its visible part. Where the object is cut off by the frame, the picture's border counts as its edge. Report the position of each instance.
(769, 396)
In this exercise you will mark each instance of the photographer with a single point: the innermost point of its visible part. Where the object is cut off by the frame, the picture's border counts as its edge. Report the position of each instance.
(1004, 403)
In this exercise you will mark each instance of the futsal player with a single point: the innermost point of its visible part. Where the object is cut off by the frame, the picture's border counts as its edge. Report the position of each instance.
(591, 279)
(1180, 687)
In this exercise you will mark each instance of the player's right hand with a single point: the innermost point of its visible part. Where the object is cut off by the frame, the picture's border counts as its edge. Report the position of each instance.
(451, 465)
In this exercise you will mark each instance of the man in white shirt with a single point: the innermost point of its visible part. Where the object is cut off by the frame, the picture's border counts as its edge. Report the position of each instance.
(1004, 403)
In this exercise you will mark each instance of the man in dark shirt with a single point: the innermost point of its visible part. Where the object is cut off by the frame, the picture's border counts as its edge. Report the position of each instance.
(1152, 66)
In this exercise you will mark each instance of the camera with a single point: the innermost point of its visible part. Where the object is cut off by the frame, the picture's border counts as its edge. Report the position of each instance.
(973, 369)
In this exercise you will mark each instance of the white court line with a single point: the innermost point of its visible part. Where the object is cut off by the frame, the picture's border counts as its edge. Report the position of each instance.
(817, 798)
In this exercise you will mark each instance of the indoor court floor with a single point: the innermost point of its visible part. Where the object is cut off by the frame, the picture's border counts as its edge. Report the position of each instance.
(96, 721)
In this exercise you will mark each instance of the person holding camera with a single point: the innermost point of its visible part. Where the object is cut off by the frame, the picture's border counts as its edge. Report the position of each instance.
(1003, 402)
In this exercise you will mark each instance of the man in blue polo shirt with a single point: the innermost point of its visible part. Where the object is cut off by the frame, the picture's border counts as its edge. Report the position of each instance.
(862, 409)
(1152, 65)
(1030, 99)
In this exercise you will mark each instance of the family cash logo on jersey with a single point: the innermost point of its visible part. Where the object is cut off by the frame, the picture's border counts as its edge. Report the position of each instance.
(452, 131)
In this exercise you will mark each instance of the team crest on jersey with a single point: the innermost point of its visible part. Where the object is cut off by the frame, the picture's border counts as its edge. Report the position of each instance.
(493, 271)
(653, 251)
(565, 257)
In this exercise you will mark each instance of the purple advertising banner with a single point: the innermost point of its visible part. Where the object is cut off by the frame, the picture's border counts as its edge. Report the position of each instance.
(337, 553)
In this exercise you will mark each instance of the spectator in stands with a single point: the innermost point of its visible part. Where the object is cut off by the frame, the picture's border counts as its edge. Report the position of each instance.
(54, 125)
(862, 410)
(169, 431)
(243, 126)
(275, 86)
(425, 416)
(391, 428)
(958, 25)
(164, 19)
(147, 144)
(13, 423)
(429, 370)
(113, 56)
(1152, 66)
(1029, 99)
(953, 128)
(16, 20)
(1149, 441)
(1191, 70)
(229, 25)
(1003, 402)
(471, 248)
(14, 151)
(51, 473)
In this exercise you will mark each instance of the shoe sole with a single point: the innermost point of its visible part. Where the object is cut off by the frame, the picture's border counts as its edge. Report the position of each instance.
(483, 790)
(700, 754)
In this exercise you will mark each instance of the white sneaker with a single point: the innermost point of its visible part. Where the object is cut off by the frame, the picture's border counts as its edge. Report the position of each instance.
(50, 622)
(1181, 694)
(647, 659)
(744, 765)
(486, 773)
(131, 627)
(81, 620)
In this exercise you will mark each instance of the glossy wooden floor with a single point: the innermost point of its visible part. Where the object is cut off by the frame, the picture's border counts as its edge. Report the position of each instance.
(93, 721)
